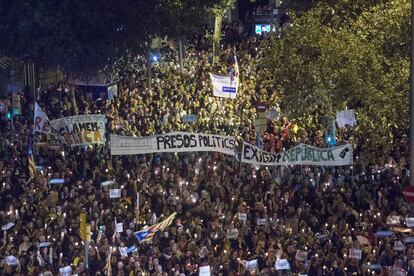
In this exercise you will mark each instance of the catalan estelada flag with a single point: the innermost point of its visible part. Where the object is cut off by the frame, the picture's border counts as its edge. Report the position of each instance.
(147, 234)
(31, 166)
(234, 73)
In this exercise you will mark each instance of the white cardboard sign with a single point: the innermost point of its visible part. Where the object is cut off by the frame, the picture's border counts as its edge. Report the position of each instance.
(205, 271)
(301, 255)
(355, 253)
(282, 264)
(115, 193)
(250, 265)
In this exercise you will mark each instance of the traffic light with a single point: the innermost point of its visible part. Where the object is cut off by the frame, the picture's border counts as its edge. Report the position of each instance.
(330, 139)
(330, 133)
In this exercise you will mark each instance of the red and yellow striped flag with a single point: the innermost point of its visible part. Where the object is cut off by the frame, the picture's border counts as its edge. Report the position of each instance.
(31, 163)
(149, 233)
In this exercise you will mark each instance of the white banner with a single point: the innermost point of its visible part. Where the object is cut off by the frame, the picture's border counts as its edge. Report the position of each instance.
(299, 155)
(172, 142)
(41, 121)
(226, 86)
(346, 117)
(223, 86)
(81, 129)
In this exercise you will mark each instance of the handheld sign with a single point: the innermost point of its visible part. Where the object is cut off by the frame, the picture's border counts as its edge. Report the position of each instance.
(115, 193)
(233, 234)
(119, 227)
(242, 216)
(56, 181)
(132, 249)
(250, 265)
(384, 233)
(107, 183)
(205, 271)
(7, 226)
(123, 251)
(282, 264)
(65, 271)
(12, 261)
(373, 266)
(301, 255)
(399, 246)
(44, 244)
(189, 118)
(393, 220)
(355, 253)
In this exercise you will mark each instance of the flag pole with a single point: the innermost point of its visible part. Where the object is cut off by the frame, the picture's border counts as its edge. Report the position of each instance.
(34, 131)
(137, 209)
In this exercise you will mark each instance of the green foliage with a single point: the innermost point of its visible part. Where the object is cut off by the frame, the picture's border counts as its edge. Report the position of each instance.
(76, 35)
(183, 17)
(84, 36)
(330, 59)
(219, 9)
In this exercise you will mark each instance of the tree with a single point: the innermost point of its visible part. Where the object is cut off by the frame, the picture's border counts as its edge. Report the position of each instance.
(183, 18)
(219, 10)
(84, 36)
(330, 59)
(350, 7)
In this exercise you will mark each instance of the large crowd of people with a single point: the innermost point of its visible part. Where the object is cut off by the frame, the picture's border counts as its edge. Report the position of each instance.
(321, 220)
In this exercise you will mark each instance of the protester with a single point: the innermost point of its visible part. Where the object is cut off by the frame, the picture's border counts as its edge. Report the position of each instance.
(321, 220)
